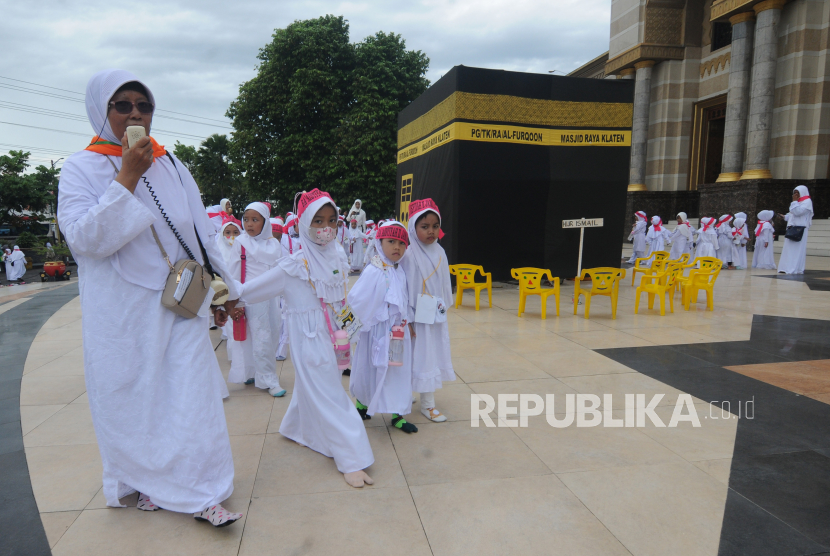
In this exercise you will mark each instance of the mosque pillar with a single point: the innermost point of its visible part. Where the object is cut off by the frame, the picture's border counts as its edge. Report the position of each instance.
(762, 89)
(737, 100)
(627, 73)
(639, 128)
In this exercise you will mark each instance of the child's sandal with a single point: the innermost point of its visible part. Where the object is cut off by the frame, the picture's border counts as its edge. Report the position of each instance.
(145, 504)
(362, 409)
(400, 423)
(217, 516)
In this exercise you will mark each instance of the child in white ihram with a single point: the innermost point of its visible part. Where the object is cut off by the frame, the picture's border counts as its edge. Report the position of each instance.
(763, 256)
(681, 239)
(638, 237)
(255, 252)
(428, 273)
(740, 235)
(355, 251)
(656, 236)
(228, 232)
(707, 238)
(321, 415)
(381, 377)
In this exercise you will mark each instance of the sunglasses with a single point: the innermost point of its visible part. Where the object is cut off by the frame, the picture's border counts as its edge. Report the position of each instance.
(125, 107)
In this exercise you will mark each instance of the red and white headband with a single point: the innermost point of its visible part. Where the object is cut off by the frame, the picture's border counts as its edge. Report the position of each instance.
(393, 230)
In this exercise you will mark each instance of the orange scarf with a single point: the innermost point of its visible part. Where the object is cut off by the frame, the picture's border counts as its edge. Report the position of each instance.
(102, 146)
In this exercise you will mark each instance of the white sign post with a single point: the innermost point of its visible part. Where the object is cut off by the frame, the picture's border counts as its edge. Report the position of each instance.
(581, 223)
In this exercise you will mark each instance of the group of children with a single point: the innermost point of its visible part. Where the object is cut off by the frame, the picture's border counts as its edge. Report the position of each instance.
(293, 277)
(725, 238)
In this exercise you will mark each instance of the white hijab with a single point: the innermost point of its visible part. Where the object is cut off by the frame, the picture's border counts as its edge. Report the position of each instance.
(328, 267)
(225, 244)
(358, 213)
(222, 204)
(707, 226)
(723, 223)
(764, 218)
(376, 286)
(804, 192)
(685, 228)
(99, 91)
(263, 247)
(421, 261)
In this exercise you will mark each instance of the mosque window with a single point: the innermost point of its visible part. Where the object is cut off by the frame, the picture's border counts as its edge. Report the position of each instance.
(721, 34)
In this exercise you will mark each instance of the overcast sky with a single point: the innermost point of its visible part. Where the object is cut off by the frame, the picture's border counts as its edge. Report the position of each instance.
(194, 55)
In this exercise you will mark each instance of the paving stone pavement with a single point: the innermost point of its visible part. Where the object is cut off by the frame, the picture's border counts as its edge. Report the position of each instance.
(732, 486)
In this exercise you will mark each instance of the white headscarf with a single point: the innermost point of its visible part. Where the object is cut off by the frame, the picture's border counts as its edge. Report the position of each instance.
(222, 204)
(221, 237)
(328, 267)
(707, 226)
(657, 223)
(99, 91)
(263, 247)
(684, 227)
(804, 192)
(723, 222)
(422, 260)
(764, 218)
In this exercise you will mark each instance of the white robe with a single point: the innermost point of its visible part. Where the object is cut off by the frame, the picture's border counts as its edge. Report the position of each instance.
(15, 266)
(655, 240)
(680, 243)
(290, 244)
(764, 256)
(707, 243)
(725, 243)
(739, 251)
(321, 414)
(794, 256)
(254, 357)
(383, 388)
(356, 248)
(153, 382)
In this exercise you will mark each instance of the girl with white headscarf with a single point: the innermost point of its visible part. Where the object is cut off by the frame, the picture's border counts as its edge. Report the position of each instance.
(724, 229)
(355, 251)
(218, 213)
(379, 300)
(427, 272)
(638, 237)
(358, 214)
(656, 236)
(15, 265)
(154, 385)
(794, 256)
(707, 238)
(291, 242)
(230, 230)
(740, 235)
(313, 283)
(763, 256)
(681, 239)
(253, 358)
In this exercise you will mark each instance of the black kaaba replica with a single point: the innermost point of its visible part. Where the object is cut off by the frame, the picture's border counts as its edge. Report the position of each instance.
(508, 156)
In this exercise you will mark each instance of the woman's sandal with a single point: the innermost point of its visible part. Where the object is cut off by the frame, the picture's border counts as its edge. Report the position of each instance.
(400, 423)
(434, 415)
(145, 504)
(217, 516)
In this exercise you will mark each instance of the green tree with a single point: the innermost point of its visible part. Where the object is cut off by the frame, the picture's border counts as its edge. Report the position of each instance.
(322, 112)
(213, 171)
(21, 191)
(187, 154)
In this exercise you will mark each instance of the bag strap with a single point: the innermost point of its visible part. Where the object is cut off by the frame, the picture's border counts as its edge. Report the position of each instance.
(205, 258)
(244, 265)
(163, 252)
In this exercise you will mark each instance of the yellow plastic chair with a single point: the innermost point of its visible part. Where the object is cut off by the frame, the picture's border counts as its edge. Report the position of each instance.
(656, 255)
(604, 281)
(530, 283)
(660, 284)
(701, 279)
(684, 259)
(705, 264)
(465, 280)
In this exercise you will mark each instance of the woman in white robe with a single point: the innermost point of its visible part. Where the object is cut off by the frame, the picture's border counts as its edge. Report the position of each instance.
(724, 229)
(681, 239)
(427, 270)
(358, 214)
(312, 281)
(740, 236)
(253, 358)
(638, 236)
(152, 379)
(219, 213)
(794, 256)
(379, 300)
(15, 265)
(763, 256)
(707, 238)
(7, 253)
